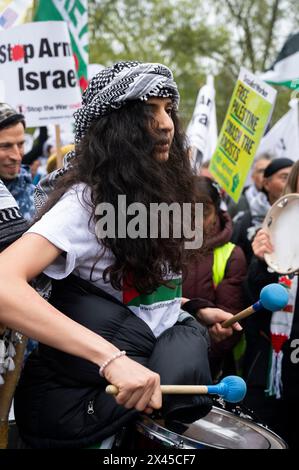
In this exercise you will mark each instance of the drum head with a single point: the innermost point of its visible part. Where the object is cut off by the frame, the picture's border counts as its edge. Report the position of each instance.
(282, 223)
(220, 429)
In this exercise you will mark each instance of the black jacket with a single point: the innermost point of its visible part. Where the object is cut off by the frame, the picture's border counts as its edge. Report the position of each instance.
(60, 400)
(258, 337)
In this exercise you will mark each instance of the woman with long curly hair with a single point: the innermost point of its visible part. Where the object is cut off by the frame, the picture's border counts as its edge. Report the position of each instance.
(115, 300)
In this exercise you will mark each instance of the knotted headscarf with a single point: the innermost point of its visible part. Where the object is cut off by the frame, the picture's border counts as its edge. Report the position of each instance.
(108, 90)
(113, 87)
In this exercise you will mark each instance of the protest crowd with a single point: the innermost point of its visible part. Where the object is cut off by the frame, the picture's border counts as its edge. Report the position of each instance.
(93, 293)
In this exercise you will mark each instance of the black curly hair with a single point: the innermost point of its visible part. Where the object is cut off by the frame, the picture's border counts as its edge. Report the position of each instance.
(116, 157)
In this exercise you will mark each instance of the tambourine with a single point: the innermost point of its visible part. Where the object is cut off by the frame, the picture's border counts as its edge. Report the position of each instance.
(282, 224)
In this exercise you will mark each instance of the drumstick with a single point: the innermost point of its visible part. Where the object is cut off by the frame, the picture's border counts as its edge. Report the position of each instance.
(272, 297)
(232, 388)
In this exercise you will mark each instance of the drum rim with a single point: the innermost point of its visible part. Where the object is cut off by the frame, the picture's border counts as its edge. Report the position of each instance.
(176, 440)
(265, 226)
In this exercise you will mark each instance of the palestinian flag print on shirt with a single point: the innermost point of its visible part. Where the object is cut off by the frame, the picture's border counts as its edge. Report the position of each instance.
(161, 309)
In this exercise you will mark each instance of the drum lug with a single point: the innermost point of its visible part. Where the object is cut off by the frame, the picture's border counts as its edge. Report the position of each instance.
(180, 445)
(155, 436)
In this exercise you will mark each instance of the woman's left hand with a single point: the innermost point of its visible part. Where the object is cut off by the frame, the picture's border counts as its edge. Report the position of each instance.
(212, 318)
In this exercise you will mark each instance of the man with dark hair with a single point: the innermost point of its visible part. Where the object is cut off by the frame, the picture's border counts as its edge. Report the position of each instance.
(14, 175)
(275, 178)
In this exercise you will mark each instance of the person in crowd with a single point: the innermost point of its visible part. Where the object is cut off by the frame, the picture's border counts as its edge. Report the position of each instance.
(14, 175)
(245, 227)
(219, 272)
(272, 376)
(114, 315)
(52, 161)
(204, 169)
(41, 147)
(37, 157)
(12, 226)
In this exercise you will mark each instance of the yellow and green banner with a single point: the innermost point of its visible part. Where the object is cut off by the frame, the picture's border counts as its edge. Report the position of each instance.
(244, 125)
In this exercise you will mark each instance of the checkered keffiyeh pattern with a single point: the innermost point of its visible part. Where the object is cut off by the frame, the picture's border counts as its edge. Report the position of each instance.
(46, 184)
(113, 87)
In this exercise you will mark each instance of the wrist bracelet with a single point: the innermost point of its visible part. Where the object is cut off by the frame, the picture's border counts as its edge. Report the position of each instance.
(106, 363)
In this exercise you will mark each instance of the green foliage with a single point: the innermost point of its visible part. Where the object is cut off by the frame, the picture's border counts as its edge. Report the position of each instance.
(194, 38)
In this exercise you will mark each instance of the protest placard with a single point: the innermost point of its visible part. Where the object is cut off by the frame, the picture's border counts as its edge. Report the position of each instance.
(38, 70)
(244, 125)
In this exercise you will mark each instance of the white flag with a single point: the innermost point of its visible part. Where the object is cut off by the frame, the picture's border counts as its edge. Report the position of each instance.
(282, 141)
(202, 129)
(285, 70)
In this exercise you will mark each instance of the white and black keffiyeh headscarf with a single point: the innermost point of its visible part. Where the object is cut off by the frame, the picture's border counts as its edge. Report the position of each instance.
(108, 90)
(111, 88)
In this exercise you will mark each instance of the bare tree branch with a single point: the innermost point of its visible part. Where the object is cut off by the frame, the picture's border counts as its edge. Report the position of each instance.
(270, 33)
(232, 8)
(249, 45)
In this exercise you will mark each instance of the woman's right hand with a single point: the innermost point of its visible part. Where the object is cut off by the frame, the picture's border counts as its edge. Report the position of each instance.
(262, 244)
(138, 386)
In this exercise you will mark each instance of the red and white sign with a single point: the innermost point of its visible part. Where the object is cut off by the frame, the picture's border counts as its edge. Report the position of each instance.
(38, 69)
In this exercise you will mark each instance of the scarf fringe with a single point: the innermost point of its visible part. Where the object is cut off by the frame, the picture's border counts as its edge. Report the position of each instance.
(275, 383)
(280, 328)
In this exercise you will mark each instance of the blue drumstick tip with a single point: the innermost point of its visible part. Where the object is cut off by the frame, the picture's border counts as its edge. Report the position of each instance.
(274, 297)
(232, 389)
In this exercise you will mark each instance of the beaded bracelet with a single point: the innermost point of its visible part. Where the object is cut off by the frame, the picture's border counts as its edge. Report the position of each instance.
(106, 363)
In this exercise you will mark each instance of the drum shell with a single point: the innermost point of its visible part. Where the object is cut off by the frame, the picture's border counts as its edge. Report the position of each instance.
(220, 429)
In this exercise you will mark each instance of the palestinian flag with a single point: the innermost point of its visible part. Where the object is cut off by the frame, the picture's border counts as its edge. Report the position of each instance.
(285, 70)
(160, 310)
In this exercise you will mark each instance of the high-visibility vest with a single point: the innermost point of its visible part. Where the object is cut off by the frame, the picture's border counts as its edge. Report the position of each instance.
(221, 257)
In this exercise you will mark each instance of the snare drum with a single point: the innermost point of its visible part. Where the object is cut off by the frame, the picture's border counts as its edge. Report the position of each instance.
(282, 223)
(220, 429)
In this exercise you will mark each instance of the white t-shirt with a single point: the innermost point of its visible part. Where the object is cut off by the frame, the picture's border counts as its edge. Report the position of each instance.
(68, 226)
